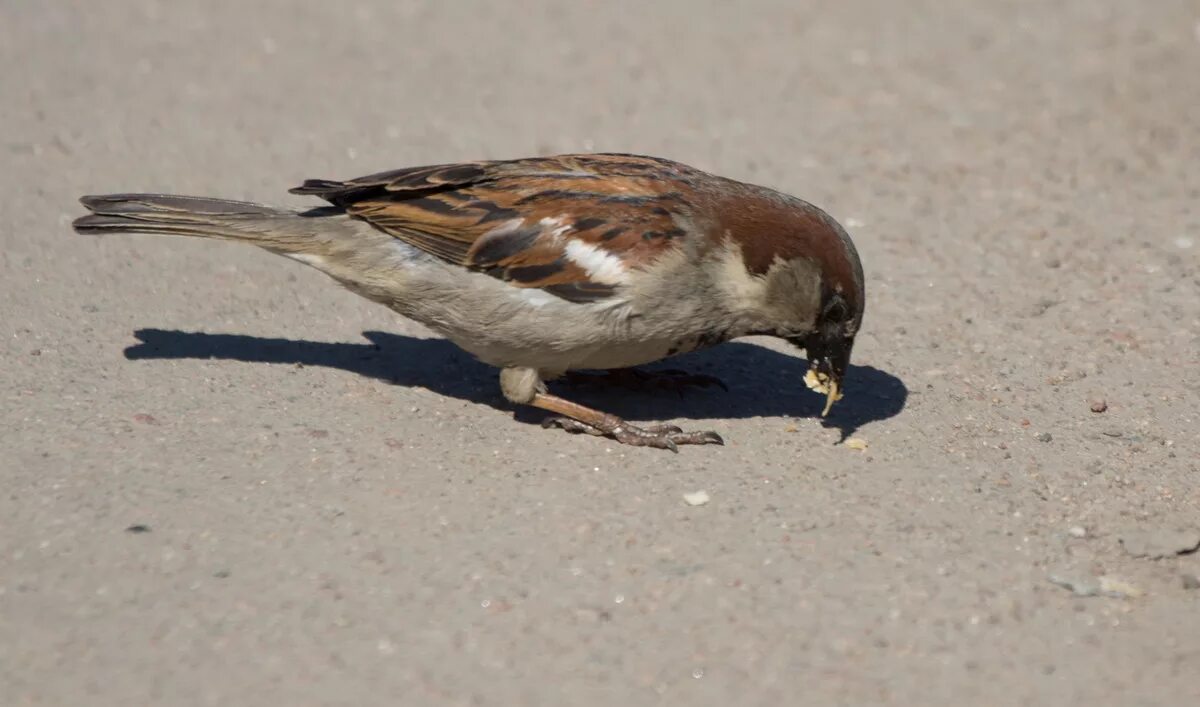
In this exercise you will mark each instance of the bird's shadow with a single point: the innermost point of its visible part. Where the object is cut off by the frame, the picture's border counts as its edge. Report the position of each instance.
(762, 382)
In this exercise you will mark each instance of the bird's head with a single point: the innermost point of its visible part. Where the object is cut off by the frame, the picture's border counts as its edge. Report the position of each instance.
(815, 284)
(806, 280)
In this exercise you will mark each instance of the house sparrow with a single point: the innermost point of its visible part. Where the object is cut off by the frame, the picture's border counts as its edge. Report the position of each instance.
(546, 265)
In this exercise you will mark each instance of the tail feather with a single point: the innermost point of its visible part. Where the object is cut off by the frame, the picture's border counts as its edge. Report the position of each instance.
(192, 216)
(97, 223)
(166, 203)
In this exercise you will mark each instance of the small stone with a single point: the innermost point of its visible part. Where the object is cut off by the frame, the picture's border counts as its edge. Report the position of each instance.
(221, 574)
(1119, 588)
(1040, 307)
(1080, 587)
(1190, 581)
(1099, 406)
(1106, 586)
(1077, 531)
(1044, 437)
(696, 498)
(1156, 544)
(856, 443)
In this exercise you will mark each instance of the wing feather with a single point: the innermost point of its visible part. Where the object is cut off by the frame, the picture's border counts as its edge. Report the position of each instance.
(516, 219)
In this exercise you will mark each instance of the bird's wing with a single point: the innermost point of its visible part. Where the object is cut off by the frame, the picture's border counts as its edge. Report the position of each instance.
(572, 225)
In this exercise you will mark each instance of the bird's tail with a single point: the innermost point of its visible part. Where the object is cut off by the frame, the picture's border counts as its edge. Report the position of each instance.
(275, 229)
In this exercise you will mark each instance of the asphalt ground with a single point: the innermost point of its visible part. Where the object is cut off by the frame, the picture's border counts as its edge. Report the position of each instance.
(227, 481)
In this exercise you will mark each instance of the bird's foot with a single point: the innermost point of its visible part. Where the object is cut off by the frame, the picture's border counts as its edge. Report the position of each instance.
(641, 380)
(657, 436)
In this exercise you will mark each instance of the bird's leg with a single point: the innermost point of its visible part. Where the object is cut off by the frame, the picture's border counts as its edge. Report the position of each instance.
(641, 380)
(524, 386)
(574, 417)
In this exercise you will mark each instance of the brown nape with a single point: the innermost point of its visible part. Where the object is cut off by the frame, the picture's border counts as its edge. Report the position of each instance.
(769, 225)
(574, 417)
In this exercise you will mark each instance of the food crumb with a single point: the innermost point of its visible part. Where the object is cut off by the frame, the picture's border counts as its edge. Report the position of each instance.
(696, 498)
(856, 443)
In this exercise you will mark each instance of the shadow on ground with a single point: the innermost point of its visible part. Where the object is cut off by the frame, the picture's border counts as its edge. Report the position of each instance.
(762, 382)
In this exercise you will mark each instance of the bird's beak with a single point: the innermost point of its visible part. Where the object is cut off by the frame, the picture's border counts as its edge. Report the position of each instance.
(829, 358)
(833, 395)
(824, 381)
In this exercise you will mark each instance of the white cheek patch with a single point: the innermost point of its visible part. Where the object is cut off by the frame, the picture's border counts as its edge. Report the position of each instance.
(743, 289)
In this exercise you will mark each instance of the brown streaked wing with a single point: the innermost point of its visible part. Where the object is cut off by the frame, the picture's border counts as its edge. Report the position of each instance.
(514, 219)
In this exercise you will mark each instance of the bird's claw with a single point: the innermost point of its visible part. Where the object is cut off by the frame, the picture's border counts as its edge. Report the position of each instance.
(571, 425)
(657, 436)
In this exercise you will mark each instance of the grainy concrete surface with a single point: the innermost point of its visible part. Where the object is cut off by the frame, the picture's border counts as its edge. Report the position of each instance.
(342, 511)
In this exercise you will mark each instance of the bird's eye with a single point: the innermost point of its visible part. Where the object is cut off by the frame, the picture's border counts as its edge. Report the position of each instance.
(836, 310)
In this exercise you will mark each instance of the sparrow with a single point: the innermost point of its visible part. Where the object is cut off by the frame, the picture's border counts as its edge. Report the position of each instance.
(548, 265)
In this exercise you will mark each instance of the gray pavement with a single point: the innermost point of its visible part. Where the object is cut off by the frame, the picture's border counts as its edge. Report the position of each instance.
(338, 508)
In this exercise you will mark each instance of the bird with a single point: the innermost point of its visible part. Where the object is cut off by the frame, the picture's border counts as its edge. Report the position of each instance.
(552, 266)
